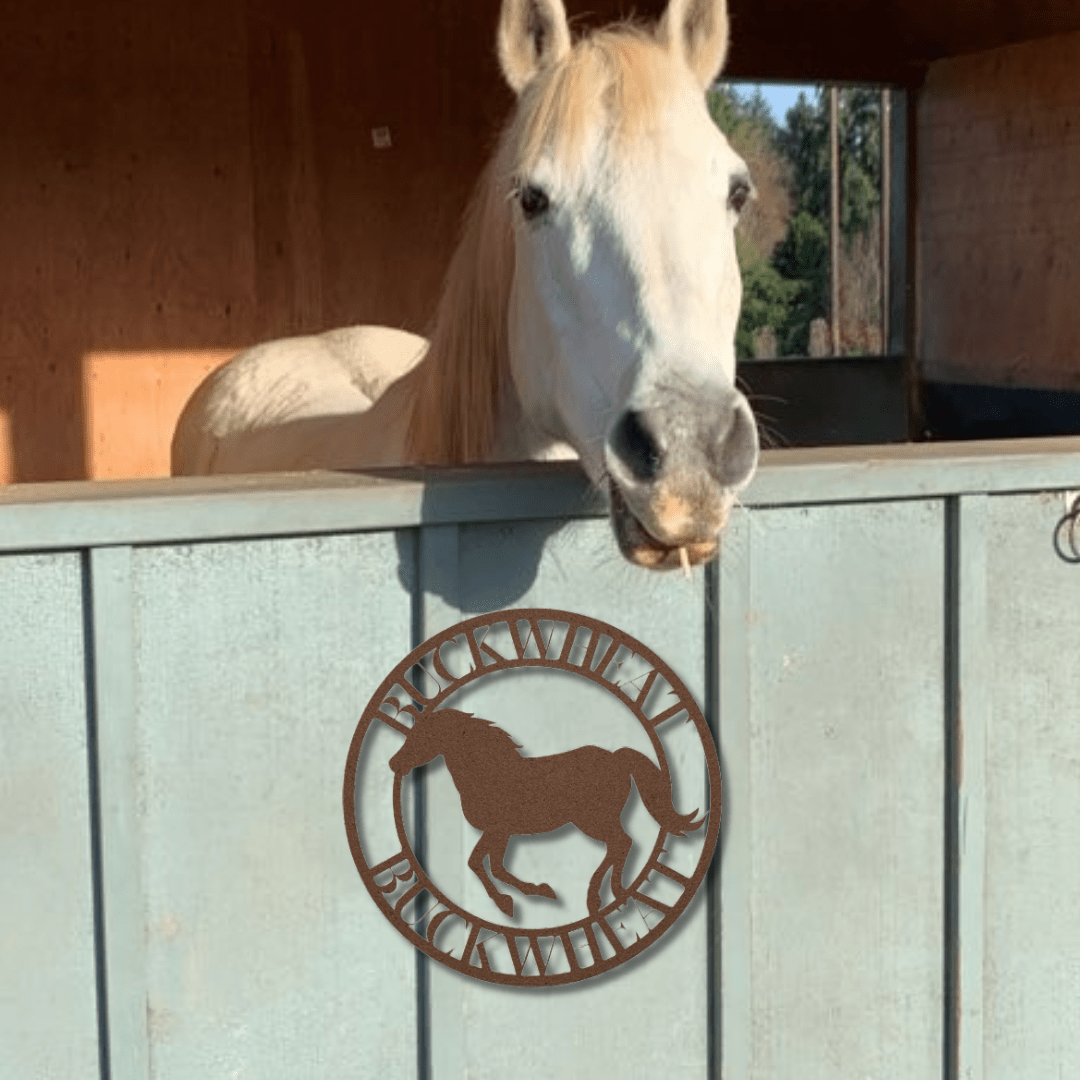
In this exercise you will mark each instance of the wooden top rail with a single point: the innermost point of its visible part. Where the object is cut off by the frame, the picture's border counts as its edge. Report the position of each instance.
(102, 513)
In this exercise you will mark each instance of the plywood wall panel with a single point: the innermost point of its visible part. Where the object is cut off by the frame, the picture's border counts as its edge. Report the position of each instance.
(178, 178)
(46, 149)
(183, 179)
(999, 219)
(48, 1009)
(169, 197)
(125, 219)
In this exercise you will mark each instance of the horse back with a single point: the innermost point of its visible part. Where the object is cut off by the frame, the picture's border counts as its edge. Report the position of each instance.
(259, 411)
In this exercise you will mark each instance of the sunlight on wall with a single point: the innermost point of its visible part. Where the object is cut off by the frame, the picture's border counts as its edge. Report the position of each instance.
(7, 450)
(132, 400)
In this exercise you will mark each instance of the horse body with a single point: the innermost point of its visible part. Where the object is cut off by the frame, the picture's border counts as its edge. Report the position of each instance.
(590, 308)
(504, 794)
(302, 403)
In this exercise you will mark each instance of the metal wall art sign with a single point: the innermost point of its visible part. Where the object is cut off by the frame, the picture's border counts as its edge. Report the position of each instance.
(490, 696)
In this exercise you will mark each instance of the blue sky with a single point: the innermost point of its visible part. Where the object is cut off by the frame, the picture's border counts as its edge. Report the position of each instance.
(780, 96)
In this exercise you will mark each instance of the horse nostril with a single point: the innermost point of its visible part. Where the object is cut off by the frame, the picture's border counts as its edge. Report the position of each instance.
(737, 454)
(636, 446)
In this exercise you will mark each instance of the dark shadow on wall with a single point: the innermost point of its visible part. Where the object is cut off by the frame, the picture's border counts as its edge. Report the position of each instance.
(957, 411)
(473, 571)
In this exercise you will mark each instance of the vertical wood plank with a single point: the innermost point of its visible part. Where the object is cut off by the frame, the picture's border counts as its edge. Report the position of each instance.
(834, 219)
(649, 1018)
(265, 954)
(897, 167)
(885, 98)
(1031, 977)
(735, 662)
(840, 814)
(117, 746)
(441, 823)
(48, 1006)
(966, 868)
(439, 570)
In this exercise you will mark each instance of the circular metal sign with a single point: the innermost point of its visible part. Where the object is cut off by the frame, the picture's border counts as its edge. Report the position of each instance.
(508, 794)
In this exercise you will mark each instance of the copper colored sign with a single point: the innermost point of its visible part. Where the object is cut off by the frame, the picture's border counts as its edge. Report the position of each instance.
(509, 795)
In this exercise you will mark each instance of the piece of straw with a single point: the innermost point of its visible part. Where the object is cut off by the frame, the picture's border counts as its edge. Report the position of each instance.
(684, 558)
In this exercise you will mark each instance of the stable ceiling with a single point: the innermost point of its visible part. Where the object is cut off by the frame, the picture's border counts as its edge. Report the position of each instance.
(877, 40)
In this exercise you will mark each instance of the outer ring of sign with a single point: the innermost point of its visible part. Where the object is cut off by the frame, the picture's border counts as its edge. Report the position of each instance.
(511, 618)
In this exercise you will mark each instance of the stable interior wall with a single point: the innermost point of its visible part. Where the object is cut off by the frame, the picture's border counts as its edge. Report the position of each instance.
(185, 177)
(999, 216)
(181, 178)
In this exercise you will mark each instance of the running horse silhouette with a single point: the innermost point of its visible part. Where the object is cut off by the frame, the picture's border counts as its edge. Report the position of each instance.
(504, 794)
(589, 310)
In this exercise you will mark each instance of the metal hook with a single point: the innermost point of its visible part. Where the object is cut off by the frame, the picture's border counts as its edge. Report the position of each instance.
(1066, 539)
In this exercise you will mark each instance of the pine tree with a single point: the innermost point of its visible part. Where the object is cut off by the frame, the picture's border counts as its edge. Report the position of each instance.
(786, 280)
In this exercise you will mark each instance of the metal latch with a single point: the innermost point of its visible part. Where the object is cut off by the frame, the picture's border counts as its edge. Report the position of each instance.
(1067, 532)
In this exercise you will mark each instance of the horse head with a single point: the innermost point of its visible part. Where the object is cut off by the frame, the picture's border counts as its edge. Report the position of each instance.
(432, 734)
(626, 287)
(421, 745)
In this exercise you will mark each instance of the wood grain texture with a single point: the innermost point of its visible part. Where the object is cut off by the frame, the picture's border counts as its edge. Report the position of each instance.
(835, 797)
(48, 1011)
(650, 1017)
(265, 955)
(187, 178)
(1031, 933)
(999, 224)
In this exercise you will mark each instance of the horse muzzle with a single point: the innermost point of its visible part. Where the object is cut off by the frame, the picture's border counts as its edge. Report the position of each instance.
(675, 470)
(643, 547)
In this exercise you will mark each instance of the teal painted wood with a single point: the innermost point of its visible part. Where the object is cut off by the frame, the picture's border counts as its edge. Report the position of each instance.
(651, 1019)
(735, 1022)
(48, 1011)
(253, 662)
(894, 674)
(969, 719)
(835, 814)
(1031, 930)
(122, 952)
(51, 516)
(45, 516)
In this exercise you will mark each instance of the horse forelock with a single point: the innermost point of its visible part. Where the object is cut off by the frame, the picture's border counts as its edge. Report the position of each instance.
(614, 81)
(612, 84)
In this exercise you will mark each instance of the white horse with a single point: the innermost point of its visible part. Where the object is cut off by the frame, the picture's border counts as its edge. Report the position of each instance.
(590, 309)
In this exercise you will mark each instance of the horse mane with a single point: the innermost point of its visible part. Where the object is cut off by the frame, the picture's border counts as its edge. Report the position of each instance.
(460, 380)
(610, 82)
(476, 727)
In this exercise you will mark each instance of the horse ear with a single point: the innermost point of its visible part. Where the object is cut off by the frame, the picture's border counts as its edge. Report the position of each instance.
(697, 30)
(533, 34)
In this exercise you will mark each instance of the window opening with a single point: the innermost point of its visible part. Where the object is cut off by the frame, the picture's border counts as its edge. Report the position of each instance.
(814, 246)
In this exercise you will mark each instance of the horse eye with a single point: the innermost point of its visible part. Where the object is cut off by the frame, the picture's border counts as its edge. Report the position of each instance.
(738, 193)
(534, 201)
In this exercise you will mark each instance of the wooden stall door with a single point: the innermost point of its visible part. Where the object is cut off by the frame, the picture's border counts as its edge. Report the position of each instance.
(650, 1018)
(257, 951)
(1024, 759)
(48, 1000)
(832, 726)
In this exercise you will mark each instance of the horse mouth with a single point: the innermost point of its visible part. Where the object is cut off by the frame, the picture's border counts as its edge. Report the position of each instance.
(643, 549)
